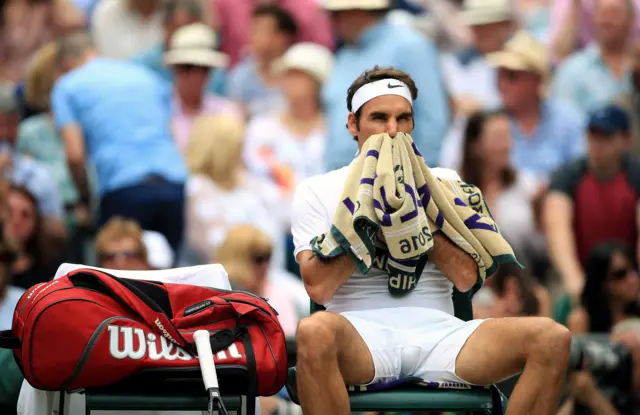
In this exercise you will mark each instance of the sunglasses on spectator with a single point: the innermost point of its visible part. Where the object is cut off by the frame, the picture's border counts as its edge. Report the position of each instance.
(620, 274)
(262, 258)
(123, 255)
(512, 75)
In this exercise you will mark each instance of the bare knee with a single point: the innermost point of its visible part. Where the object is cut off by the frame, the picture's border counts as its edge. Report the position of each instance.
(549, 343)
(316, 336)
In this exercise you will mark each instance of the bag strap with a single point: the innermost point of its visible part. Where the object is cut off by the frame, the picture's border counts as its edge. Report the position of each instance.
(8, 340)
(127, 293)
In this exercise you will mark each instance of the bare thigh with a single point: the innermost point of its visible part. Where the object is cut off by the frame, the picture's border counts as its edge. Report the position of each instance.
(498, 348)
(354, 358)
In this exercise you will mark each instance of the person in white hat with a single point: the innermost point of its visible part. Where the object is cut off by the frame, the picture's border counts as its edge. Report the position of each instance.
(288, 146)
(370, 39)
(470, 79)
(193, 56)
(368, 336)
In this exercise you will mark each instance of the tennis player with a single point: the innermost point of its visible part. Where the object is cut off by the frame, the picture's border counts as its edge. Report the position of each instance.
(367, 336)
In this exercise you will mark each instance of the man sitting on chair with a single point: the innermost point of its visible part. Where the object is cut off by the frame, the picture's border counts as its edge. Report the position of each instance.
(367, 336)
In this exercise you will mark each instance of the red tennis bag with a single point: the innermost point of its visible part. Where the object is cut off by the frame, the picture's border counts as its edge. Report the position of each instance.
(90, 329)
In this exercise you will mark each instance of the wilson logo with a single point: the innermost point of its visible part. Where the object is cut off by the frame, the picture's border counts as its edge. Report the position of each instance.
(164, 331)
(134, 343)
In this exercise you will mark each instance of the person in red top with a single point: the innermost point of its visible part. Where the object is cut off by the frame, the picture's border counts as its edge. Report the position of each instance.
(593, 199)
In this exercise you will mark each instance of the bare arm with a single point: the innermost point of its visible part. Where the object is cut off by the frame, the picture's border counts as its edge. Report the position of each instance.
(566, 39)
(75, 150)
(454, 263)
(323, 277)
(557, 217)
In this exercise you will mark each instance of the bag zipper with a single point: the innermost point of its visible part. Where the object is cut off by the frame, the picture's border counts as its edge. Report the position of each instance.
(266, 300)
(264, 310)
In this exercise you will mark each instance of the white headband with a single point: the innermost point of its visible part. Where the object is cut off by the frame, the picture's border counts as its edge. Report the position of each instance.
(375, 89)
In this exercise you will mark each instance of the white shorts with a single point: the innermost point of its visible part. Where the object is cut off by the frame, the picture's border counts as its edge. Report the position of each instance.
(411, 341)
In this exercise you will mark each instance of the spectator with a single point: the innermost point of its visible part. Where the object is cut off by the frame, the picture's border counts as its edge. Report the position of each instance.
(37, 258)
(192, 57)
(246, 255)
(593, 199)
(26, 26)
(37, 137)
(508, 192)
(123, 28)
(120, 114)
(599, 73)
(9, 294)
(611, 291)
(546, 133)
(372, 40)
(232, 18)
(573, 26)
(470, 79)
(175, 14)
(221, 193)
(511, 293)
(11, 379)
(252, 82)
(288, 146)
(22, 170)
(630, 101)
(120, 245)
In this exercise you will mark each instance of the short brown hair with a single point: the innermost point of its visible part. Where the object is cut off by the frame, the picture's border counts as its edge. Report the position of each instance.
(376, 74)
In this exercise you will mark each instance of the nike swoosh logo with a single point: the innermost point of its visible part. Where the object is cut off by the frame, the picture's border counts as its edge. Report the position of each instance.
(393, 86)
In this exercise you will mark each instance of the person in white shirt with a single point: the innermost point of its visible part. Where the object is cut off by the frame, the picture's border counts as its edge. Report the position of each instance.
(367, 336)
(288, 146)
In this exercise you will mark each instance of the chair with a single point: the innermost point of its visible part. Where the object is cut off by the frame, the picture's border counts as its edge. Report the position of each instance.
(172, 395)
(415, 398)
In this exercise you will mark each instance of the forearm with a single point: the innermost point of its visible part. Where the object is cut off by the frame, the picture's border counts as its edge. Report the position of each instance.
(454, 263)
(324, 276)
(562, 251)
(81, 180)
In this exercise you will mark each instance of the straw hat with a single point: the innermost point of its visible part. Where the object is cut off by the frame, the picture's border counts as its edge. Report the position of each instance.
(522, 53)
(479, 12)
(195, 44)
(311, 58)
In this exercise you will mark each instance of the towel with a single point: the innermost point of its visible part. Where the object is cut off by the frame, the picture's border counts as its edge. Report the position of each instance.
(391, 201)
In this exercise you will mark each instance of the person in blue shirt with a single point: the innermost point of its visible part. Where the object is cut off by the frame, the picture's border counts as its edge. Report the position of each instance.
(117, 114)
(370, 40)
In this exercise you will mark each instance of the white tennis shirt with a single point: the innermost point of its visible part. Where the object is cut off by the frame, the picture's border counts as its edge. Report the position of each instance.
(314, 204)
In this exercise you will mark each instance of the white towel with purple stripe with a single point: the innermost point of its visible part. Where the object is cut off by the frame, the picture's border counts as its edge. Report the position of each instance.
(392, 201)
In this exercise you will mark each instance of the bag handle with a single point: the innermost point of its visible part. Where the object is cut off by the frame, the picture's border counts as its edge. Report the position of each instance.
(150, 312)
(8, 340)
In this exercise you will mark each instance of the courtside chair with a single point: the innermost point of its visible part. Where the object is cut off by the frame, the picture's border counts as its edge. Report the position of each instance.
(406, 397)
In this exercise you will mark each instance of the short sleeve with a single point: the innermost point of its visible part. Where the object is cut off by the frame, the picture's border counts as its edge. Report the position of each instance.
(566, 178)
(308, 218)
(61, 106)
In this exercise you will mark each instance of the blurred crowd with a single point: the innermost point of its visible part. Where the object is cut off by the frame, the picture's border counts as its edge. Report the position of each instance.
(148, 134)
